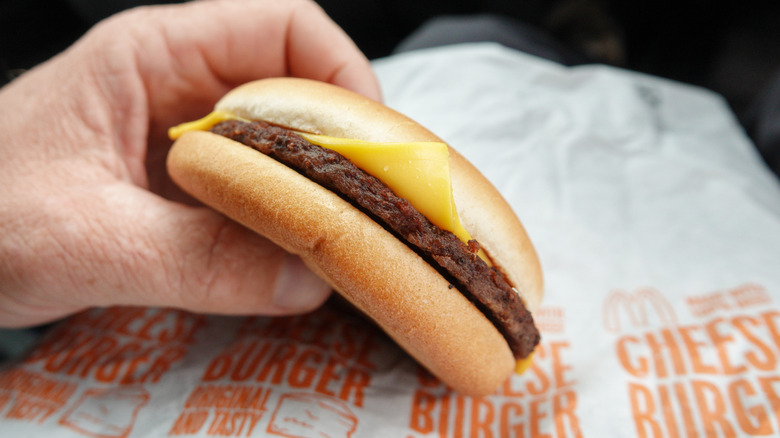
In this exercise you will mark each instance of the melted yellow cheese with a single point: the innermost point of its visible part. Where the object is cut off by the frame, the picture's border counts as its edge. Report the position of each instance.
(522, 365)
(202, 124)
(418, 171)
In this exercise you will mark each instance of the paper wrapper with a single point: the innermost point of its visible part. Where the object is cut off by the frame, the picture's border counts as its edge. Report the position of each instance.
(659, 233)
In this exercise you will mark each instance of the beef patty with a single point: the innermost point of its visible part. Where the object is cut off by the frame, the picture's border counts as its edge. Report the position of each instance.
(487, 287)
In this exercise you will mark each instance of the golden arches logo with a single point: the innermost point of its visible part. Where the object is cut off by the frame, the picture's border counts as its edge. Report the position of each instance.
(643, 308)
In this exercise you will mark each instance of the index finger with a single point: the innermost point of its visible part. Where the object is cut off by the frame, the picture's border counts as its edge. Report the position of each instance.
(189, 55)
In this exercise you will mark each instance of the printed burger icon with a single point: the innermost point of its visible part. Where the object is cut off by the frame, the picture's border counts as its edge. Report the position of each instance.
(307, 415)
(400, 224)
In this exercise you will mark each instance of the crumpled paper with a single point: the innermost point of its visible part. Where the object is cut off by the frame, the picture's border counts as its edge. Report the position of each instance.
(658, 229)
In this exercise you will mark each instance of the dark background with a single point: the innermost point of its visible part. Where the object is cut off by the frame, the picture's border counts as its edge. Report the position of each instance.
(732, 48)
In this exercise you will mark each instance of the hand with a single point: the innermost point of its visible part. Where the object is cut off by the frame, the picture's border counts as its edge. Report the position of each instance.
(88, 216)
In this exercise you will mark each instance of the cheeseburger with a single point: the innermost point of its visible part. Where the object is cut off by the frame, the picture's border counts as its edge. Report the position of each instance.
(400, 224)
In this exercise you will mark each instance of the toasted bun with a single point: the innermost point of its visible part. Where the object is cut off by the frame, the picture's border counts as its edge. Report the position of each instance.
(366, 264)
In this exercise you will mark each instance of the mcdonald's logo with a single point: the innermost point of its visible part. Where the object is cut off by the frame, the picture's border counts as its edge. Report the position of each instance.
(643, 308)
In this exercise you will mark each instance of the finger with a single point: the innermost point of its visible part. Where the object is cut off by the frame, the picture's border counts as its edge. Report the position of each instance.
(199, 260)
(126, 246)
(171, 64)
(189, 55)
(319, 50)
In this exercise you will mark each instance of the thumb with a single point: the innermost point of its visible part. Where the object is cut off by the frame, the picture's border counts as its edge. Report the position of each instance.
(212, 264)
(201, 261)
(128, 246)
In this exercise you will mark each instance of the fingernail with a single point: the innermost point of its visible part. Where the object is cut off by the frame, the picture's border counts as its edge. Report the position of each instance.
(297, 289)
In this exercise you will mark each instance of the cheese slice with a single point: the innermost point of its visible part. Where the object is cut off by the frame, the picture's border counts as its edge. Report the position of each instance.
(522, 365)
(418, 172)
(202, 124)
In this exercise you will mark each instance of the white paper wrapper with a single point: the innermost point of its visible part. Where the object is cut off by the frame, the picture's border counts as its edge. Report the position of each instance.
(659, 233)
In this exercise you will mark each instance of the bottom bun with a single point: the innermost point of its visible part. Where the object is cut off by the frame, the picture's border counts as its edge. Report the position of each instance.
(367, 265)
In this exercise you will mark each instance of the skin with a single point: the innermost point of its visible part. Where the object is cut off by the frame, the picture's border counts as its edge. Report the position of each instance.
(88, 216)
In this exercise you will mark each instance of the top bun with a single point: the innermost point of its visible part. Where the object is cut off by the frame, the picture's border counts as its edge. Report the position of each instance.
(367, 265)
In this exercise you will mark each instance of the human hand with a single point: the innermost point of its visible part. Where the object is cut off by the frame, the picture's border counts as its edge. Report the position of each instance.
(88, 216)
